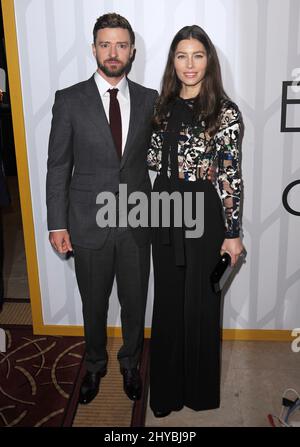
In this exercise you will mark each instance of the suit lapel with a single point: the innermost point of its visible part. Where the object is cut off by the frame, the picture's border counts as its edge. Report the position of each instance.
(95, 111)
(135, 115)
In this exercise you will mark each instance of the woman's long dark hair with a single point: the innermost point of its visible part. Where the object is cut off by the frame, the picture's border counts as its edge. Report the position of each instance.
(208, 103)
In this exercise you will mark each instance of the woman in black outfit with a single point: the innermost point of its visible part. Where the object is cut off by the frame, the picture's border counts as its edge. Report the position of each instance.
(196, 126)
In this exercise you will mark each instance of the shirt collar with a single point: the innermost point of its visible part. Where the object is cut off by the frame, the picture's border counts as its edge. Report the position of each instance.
(103, 86)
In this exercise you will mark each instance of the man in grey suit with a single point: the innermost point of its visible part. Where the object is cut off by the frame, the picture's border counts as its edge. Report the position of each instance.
(99, 139)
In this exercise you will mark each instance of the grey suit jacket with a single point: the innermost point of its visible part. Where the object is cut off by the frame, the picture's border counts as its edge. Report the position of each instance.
(82, 160)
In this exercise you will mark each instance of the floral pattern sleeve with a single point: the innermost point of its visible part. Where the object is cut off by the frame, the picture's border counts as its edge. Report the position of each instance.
(154, 152)
(227, 142)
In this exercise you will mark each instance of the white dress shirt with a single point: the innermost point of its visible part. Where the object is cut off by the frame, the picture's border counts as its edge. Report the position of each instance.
(124, 101)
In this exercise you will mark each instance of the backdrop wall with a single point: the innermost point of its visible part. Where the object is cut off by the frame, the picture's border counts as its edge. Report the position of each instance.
(258, 42)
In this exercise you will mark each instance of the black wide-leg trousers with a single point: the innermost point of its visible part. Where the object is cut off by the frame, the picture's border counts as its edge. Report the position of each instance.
(122, 258)
(186, 330)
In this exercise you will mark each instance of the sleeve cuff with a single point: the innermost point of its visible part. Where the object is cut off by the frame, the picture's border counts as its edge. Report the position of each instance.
(60, 229)
(232, 235)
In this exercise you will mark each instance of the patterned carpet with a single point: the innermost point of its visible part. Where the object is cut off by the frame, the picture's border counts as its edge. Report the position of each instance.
(38, 378)
(111, 407)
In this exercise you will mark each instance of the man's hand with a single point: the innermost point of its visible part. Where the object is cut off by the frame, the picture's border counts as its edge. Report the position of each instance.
(60, 241)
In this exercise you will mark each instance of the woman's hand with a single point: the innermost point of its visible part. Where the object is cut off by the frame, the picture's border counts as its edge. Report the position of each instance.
(234, 247)
(212, 174)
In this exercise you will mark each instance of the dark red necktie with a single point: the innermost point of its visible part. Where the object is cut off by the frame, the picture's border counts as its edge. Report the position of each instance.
(115, 120)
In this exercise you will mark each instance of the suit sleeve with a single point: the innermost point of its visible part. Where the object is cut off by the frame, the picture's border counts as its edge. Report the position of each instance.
(59, 165)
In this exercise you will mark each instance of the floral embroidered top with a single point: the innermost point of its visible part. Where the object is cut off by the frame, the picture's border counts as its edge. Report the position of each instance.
(197, 151)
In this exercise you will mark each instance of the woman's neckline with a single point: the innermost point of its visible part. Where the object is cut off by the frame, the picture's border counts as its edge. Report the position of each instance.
(187, 99)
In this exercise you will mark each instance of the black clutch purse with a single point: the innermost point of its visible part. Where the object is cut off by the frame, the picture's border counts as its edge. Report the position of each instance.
(221, 273)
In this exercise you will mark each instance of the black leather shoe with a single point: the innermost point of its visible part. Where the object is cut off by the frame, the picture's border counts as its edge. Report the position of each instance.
(90, 386)
(132, 383)
(161, 414)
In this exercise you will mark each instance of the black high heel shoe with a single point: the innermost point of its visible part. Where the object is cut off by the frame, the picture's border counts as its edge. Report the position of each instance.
(161, 414)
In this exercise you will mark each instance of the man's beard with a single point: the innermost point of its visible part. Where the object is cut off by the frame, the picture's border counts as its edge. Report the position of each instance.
(114, 73)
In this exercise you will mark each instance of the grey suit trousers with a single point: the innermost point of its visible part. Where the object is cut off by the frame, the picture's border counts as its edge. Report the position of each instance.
(122, 258)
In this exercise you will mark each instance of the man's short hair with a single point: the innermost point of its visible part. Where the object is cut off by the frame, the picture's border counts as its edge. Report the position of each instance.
(113, 20)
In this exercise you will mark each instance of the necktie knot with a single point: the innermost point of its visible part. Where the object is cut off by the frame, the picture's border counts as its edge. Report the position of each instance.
(113, 92)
